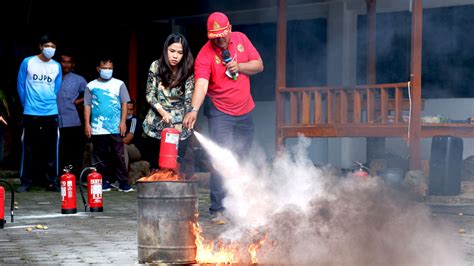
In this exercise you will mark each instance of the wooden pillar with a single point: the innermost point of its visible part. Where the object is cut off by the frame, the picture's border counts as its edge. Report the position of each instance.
(281, 70)
(371, 51)
(415, 116)
(132, 66)
(375, 147)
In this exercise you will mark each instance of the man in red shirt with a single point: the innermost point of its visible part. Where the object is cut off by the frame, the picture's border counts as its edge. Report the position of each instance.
(221, 70)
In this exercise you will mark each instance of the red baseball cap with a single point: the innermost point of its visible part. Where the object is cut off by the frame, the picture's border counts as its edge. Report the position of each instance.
(217, 25)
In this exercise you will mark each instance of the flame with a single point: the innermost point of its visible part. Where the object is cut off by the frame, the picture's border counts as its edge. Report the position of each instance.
(253, 248)
(224, 253)
(161, 175)
(207, 253)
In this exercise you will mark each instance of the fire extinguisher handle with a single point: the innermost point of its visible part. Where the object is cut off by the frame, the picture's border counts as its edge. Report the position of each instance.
(361, 166)
(67, 168)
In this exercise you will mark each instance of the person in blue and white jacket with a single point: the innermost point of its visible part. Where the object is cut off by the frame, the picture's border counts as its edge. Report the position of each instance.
(38, 83)
(105, 115)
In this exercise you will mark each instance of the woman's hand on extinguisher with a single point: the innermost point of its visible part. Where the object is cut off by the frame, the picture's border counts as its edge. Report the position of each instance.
(88, 131)
(167, 118)
(123, 128)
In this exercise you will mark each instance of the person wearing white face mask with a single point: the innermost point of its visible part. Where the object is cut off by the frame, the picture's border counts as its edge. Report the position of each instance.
(38, 83)
(105, 114)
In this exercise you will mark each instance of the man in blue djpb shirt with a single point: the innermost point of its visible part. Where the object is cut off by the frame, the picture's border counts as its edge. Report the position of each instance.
(38, 83)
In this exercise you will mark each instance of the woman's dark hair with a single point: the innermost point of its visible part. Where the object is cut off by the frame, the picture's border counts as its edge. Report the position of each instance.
(185, 66)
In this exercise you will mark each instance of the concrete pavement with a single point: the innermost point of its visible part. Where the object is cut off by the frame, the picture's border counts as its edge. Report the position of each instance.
(110, 237)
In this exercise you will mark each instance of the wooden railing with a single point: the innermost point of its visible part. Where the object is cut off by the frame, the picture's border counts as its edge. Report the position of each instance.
(364, 104)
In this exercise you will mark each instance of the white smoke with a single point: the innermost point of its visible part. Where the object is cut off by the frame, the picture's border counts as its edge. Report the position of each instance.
(313, 216)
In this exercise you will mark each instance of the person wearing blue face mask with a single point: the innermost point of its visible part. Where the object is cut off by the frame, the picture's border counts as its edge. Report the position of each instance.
(38, 83)
(105, 115)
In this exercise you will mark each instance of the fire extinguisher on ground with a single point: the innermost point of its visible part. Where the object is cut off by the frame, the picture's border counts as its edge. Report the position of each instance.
(2, 203)
(362, 172)
(68, 191)
(94, 190)
(169, 148)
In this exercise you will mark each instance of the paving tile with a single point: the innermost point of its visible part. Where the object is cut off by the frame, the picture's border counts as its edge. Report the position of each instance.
(105, 238)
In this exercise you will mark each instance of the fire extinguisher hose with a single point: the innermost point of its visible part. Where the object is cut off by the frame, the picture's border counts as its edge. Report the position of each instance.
(12, 207)
(80, 187)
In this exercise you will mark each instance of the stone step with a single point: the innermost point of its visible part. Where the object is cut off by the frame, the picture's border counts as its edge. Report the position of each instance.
(461, 199)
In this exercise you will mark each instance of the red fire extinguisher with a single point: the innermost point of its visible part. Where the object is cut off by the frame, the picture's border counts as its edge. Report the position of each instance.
(2, 207)
(169, 148)
(362, 172)
(94, 190)
(2, 203)
(68, 192)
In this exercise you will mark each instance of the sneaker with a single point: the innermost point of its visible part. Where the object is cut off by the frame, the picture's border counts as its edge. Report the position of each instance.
(125, 188)
(115, 185)
(218, 218)
(106, 187)
(22, 189)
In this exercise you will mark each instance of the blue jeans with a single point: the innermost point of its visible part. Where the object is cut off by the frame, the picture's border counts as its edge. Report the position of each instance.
(234, 133)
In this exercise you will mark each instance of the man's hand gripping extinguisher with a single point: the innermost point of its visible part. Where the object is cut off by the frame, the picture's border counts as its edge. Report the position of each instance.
(94, 190)
(2, 203)
(68, 191)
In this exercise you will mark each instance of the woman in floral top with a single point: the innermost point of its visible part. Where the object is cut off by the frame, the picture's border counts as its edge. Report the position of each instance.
(169, 91)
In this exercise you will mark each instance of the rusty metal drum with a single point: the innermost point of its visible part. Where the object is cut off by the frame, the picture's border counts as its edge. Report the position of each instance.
(166, 213)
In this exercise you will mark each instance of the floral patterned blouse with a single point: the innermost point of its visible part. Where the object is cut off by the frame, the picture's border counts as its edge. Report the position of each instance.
(176, 101)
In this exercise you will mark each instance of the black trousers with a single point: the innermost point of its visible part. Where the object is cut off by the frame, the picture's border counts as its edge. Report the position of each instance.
(108, 151)
(72, 148)
(40, 143)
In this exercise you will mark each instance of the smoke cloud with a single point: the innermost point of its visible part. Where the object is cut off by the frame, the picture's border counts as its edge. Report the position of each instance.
(311, 215)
